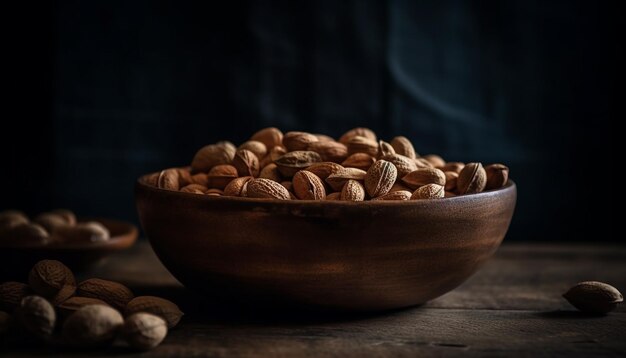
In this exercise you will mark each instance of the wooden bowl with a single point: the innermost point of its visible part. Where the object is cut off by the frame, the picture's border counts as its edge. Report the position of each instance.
(16, 262)
(365, 256)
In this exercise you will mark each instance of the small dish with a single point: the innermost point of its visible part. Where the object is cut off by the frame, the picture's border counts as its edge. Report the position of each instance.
(15, 262)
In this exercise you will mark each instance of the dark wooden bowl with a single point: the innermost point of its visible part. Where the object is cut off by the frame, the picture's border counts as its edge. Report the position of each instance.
(15, 263)
(330, 255)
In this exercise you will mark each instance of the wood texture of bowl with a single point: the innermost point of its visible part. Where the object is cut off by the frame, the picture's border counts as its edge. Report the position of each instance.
(16, 262)
(330, 255)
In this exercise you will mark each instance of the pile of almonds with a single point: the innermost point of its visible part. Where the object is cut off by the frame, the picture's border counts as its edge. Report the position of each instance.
(305, 166)
(54, 227)
(93, 313)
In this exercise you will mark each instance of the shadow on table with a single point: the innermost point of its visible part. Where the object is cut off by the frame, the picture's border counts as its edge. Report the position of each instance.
(571, 314)
(200, 308)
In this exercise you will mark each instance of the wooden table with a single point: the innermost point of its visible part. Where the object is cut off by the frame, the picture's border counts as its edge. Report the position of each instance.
(511, 307)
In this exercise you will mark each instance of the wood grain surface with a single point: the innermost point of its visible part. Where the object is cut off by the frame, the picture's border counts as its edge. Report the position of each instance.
(511, 307)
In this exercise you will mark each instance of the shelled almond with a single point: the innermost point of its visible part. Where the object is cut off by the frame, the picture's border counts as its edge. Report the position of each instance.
(307, 166)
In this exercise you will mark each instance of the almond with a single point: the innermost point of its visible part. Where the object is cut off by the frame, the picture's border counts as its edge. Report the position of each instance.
(352, 191)
(361, 161)
(276, 153)
(359, 131)
(453, 167)
(37, 316)
(246, 162)
(184, 177)
(75, 303)
(11, 294)
(271, 172)
(92, 325)
(26, 235)
(330, 151)
(51, 222)
(360, 144)
(424, 176)
(220, 175)
(52, 280)
(497, 176)
(324, 138)
(308, 186)
(113, 293)
(594, 297)
(422, 163)
(273, 154)
(68, 215)
(339, 179)
(298, 140)
(144, 331)
(161, 307)
(200, 178)
(380, 178)
(403, 146)
(169, 180)
(288, 185)
(384, 148)
(89, 231)
(211, 155)
(258, 148)
(267, 189)
(270, 136)
(333, 196)
(235, 187)
(151, 179)
(11, 218)
(435, 160)
(428, 191)
(214, 192)
(194, 189)
(292, 162)
(324, 169)
(472, 179)
(402, 163)
(451, 178)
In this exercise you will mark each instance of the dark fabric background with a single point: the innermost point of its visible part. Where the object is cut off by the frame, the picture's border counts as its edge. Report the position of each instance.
(104, 91)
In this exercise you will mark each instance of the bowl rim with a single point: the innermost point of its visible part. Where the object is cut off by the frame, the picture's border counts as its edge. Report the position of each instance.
(509, 187)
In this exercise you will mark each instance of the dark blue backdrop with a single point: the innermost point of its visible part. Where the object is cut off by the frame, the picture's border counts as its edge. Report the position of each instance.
(104, 91)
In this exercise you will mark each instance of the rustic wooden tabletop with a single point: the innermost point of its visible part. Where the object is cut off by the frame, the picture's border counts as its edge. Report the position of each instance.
(511, 307)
